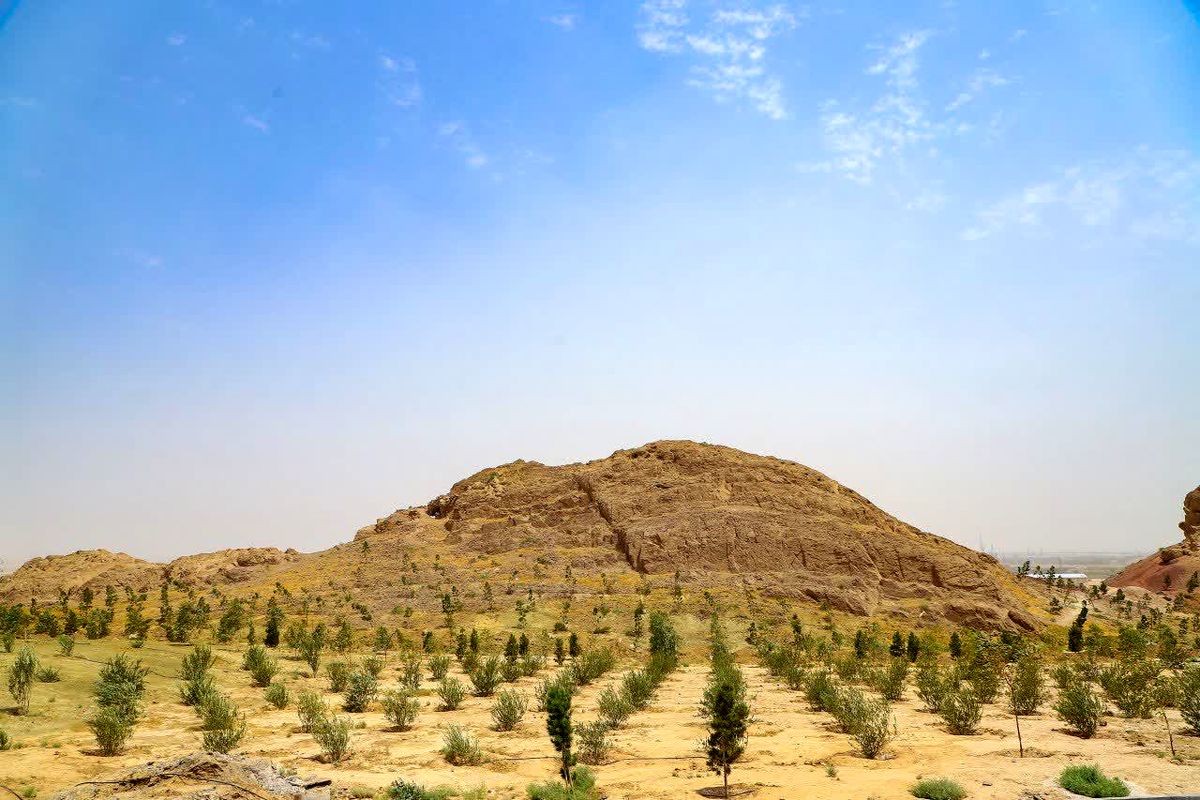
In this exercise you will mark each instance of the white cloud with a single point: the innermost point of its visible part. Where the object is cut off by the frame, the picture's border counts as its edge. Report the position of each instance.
(176, 39)
(565, 21)
(977, 84)
(461, 140)
(258, 123)
(728, 48)
(894, 123)
(399, 82)
(1153, 194)
(314, 41)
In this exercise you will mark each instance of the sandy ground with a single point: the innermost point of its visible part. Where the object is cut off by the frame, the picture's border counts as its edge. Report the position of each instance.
(654, 756)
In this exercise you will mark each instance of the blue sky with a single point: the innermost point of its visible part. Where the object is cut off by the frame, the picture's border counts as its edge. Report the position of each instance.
(272, 269)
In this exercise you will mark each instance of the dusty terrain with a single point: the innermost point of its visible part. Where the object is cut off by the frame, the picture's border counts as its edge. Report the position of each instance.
(1172, 567)
(723, 519)
(655, 754)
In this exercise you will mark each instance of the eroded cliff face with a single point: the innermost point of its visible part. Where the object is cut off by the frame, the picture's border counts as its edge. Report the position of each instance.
(713, 513)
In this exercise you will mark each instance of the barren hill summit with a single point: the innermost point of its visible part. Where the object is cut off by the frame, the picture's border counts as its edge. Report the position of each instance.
(1171, 568)
(724, 520)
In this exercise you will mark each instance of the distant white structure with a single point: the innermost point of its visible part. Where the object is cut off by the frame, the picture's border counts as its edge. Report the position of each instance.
(1075, 576)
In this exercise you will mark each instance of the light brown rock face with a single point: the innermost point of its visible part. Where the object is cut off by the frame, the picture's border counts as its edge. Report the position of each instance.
(1172, 567)
(714, 512)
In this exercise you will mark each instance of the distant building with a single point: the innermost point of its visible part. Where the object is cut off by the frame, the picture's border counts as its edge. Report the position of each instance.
(1075, 576)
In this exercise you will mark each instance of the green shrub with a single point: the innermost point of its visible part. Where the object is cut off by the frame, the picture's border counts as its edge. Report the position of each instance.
(1079, 707)
(5, 741)
(508, 709)
(938, 789)
(361, 689)
(532, 664)
(332, 734)
(48, 675)
(438, 666)
(8, 640)
(874, 728)
(111, 729)
(338, 673)
(1089, 781)
(310, 709)
(451, 692)
(197, 691)
(821, 691)
(373, 665)
(197, 663)
(400, 708)
(962, 711)
(410, 673)
(459, 748)
(614, 707)
(262, 667)
(637, 688)
(849, 709)
(277, 695)
(66, 645)
(592, 664)
(120, 685)
(1130, 685)
(592, 738)
(890, 682)
(1028, 685)
(21, 675)
(486, 676)
(223, 727)
(1187, 692)
(405, 790)
(583, 787)
(932, 685)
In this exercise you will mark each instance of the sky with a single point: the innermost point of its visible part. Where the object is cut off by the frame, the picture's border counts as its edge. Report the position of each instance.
(271, 270)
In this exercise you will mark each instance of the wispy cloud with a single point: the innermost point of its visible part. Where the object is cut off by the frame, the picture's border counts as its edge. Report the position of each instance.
(1153, 194)
(728, 48)
(895, 122)
(565, 21)
(139, 258)
(399, 81)
(176, 39)
(258, 123)
(460, 138)
(313, 41)
(977, 84)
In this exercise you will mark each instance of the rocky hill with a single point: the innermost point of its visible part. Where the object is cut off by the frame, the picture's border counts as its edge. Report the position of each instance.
(724, 520)
(1172, 567)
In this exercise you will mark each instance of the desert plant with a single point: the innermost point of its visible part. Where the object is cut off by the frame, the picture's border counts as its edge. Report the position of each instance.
(338, 673)
(561, 678)
(558, 727)
(361, 689)
(891, 681)
(1131, 685)
(486, 676)
(332, 734)
(582, 786)
(962, 711)
(614, 707)
(938, 789)
(277, 695)
(373, 665)
(262, 667)
(310, 709)
(1089, 781)
(821, 691)
(459, 748)
(1078, 706)
(197, 662)
(21, 676)
(111, 729)
(48, 674)
(439, 665)
(1187, 693)
(401, 709)
(197, 691)
(223, 727)
(451, 692)
(592, 664)
(728, 715)
(637, 688)
(508, 709)
(5, 741)
(66, 645)
(1027, 689)
(121, 684)
(874, 728)
(593, 742)
(410, 672)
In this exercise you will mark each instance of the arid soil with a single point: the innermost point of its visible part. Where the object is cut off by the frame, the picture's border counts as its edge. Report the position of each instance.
(655, 754)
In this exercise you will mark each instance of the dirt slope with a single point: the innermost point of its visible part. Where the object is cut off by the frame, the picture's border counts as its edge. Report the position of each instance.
(1171, 567)
(725, 519)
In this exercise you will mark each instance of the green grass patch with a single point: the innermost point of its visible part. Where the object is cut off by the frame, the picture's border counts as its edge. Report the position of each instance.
(938, 789)
(1089, 781)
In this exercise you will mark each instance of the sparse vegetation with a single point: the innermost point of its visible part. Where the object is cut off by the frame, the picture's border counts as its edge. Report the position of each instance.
(938, 789)
(20, 678)
(401, 709)
(508, 709)
(222, 724)
(277, 695)
(1088, 780)
(458, 747)
(332, 734)
(452, 693)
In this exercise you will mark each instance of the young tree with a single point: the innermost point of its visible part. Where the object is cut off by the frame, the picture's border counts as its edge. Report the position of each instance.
(558, 726)
(728, 717)
(913, 648)
(897, 647)
(20, 678)
(955, 645)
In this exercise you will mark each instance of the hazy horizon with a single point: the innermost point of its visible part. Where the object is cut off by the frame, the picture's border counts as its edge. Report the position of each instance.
(271, 271)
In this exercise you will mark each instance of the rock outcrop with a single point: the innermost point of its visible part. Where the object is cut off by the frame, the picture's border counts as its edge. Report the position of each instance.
(1171, 568)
